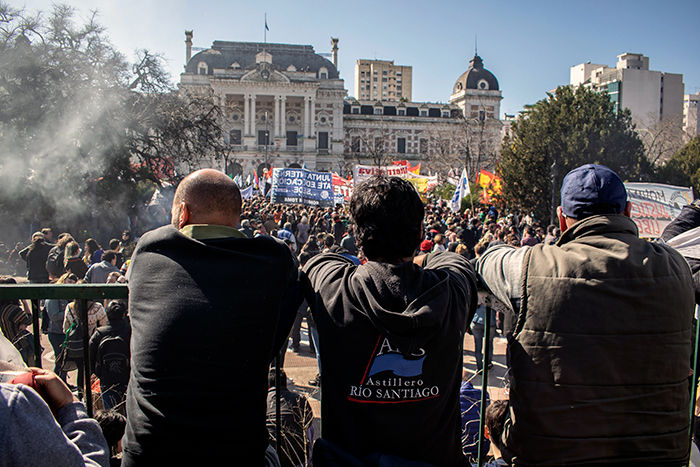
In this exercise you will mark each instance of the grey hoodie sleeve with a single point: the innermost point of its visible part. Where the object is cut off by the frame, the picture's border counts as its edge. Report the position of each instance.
(29, 434)
(501, 268)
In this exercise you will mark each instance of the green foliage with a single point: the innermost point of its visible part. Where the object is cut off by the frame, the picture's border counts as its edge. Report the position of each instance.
(683, 169)
(569, 128)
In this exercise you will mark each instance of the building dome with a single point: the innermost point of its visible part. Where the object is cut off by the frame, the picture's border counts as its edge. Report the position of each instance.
(476, 77)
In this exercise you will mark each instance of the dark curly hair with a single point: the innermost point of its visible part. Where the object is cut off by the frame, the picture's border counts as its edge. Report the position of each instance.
(388, 217)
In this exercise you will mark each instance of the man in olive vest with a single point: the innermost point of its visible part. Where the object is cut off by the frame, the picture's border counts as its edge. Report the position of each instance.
(600, 355)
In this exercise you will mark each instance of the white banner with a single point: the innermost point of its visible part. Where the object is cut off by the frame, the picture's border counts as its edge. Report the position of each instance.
(655, 205)
(364, 172)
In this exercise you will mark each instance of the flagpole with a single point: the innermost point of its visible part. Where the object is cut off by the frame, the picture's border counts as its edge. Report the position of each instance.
(471, 200)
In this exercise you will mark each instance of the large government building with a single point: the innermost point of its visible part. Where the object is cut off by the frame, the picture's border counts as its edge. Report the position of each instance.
(286, 106)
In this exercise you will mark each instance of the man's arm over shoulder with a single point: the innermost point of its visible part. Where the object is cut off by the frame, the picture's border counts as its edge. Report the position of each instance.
(461, 273)
(501, 268)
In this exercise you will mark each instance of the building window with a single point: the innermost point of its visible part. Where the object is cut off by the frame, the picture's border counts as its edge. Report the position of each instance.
(356, 110)
(235, 137)
(398, 88)
(445, 114)
(202, 68)
(482, 115)
(323, 140)
(398, 73)
(377, 111)
(384, 80)
(363, 95)
(402, 112)
(423, 113)
(323, 76)
(401, 145)
(375, 72)
(263, 137)
(355, 145)
(375, 78)
(423, 146)
(362, 88)
(384, 72)
(378, 145)
(291, 138)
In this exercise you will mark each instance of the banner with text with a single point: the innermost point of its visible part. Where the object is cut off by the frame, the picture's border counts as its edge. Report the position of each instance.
(364, 172)
(342, 189)
(655, 205)
(301, 186)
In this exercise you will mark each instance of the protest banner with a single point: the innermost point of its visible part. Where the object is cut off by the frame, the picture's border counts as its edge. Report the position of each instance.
(423, 183)
(301, 186)
(342, 189)
(364, 172)
(654, 205)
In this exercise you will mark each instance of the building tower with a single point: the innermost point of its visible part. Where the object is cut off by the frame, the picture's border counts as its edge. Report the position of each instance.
(476, 92)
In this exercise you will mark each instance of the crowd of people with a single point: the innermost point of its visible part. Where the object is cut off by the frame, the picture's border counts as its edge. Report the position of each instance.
(388, 286)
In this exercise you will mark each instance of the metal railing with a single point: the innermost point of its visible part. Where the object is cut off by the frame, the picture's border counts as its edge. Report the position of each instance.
(79, 292)
(84, 292)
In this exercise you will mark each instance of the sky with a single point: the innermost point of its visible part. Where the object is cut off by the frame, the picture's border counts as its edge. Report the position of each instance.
(529, 46)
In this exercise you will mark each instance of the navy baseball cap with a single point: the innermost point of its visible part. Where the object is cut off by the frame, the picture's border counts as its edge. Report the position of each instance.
(592, 189)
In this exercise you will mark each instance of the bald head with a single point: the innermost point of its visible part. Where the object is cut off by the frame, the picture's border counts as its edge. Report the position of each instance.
(206, 197)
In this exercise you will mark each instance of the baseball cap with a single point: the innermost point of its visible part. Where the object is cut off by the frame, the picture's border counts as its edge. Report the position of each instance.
(426, 245)
(592, 189)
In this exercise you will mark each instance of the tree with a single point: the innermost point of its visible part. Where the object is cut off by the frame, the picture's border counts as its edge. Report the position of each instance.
(572, 127)
(662, 138)
(683, 169)
(85, 134)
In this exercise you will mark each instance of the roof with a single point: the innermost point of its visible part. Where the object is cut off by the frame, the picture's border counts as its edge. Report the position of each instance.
(223, 54)
(476, 77)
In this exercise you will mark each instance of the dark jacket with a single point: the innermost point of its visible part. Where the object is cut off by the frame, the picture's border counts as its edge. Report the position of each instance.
(36, 263)
(391, 350)
(189, 396)
(119, 328)
(77, 266)
(601, 351)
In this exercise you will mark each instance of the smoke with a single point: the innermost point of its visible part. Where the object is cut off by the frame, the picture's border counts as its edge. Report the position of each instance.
(65, 117)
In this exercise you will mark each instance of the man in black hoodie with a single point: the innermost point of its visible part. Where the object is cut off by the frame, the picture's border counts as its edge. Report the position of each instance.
(391, 334)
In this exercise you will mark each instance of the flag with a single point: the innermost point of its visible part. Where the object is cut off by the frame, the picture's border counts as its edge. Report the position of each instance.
(304, 166)
(247, 193)
(257, 182)
(461, 191)
(238, 180)
(247, 180)
(266, 28)
(415, 169)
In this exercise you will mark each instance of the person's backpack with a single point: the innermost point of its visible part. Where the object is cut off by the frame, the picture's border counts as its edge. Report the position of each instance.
(54, 262)
(112, 360)
(73, 342)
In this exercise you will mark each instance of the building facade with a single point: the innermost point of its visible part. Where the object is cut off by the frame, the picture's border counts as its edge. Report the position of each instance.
(282, 104)
(651, 96)
(382, 80)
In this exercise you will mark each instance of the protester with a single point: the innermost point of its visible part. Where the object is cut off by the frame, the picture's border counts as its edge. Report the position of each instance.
(93, 252)
(197, 286)
(296, 422)
(110, 354)
(601, 354)
(98, 272)
(391, 334)
(55, 264)
(36, 256)
(55, 308)
(496, 416)
(73, 262)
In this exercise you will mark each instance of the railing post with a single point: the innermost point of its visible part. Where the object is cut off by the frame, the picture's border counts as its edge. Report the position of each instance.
(694, 381)
(278, 400)
(484, 385)
(87, 390)
(36, 311)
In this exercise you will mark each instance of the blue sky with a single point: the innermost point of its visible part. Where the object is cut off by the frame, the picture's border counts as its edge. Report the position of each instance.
(529, 46)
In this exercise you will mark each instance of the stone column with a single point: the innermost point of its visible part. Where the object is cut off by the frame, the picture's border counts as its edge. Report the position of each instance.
(252, 118)
(312, 116)
(246, 115)
(277, 115)
(306, 117)
(337, 118)
(283, 116)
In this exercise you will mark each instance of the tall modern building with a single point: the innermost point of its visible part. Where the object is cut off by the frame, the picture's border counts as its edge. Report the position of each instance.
(691, 123)
(650, 95)
(381, 80)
